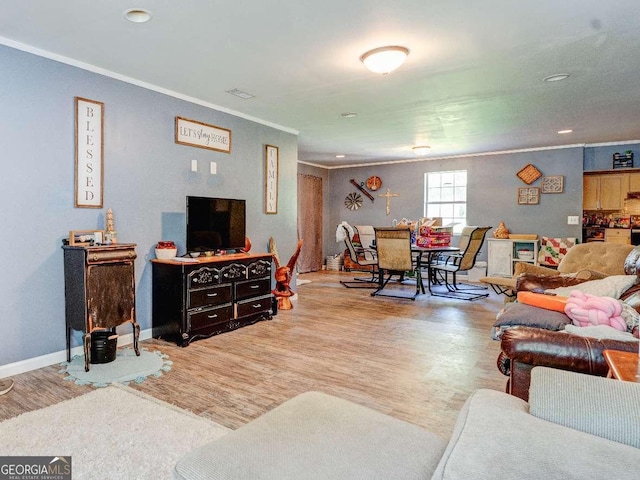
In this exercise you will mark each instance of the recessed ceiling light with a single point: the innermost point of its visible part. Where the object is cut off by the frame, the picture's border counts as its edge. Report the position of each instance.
(384, 60)
(556, 77)
(349, 115)
(240, 93)
(421, 150)
(137, 15)
(564, 131)
(339, 156)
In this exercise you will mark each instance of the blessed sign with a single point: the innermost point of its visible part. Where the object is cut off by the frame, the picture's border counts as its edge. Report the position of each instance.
(89, 153)
(198, 134)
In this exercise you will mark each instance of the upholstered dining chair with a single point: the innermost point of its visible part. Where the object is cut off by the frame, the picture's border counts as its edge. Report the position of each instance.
(365, 257)
(394, 258)
(445, 271)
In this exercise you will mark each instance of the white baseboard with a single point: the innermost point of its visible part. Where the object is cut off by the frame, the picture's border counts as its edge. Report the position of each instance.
(30, 364)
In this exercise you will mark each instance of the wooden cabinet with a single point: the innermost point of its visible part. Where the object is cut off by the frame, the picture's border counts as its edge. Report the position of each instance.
(504, 253)
(99, 287)
(634, 182)
(605, 192)
(617, 235)
(211, 296)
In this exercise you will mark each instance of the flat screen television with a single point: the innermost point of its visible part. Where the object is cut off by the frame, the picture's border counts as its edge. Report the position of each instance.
(215, 224)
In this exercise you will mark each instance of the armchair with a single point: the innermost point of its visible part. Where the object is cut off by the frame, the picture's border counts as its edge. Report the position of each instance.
(364, 257)
(470, 243)
(394, 257)
(585, 260)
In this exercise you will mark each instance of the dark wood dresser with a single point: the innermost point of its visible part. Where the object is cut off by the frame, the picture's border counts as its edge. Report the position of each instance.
(99, 286)
(211, 296)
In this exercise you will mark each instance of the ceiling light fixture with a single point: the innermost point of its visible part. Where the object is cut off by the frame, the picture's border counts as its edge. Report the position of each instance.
(561, 132)
(556, 78)
(339, 156)
(421, 150)
(384, 60)
(137, 15)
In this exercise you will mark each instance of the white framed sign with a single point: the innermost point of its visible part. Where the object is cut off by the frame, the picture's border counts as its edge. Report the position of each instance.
(89, 133)
(271, 179)
(202, 135)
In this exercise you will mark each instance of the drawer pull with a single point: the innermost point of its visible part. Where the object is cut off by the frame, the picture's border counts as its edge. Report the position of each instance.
(258, 305)
(212, 316)
(212, 294)
(255, 286)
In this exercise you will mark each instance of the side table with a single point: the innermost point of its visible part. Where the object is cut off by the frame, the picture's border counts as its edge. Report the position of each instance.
(622, 365)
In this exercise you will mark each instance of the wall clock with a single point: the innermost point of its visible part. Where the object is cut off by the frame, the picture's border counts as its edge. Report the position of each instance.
(353, 201)
(374, 183)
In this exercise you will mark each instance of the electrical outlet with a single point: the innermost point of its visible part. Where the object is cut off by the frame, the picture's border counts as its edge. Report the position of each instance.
(194, 165)
(213, 168)
(573, 220)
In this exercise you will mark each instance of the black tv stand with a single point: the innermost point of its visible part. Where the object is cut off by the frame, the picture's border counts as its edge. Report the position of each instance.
(211, 295)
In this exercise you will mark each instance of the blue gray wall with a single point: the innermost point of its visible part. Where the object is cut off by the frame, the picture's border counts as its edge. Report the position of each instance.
(146, 178)
(601, 158)
(491, 194)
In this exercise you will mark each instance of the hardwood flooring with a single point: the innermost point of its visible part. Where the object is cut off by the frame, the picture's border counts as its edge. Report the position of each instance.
(415, 360)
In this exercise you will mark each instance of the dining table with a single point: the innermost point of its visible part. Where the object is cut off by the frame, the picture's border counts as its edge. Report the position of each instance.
(424, 259)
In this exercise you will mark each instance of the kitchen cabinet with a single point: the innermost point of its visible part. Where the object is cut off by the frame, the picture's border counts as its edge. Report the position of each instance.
(605, 192)
(617, 235)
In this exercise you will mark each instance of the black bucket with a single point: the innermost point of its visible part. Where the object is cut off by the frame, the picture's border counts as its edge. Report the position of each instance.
(103, 346)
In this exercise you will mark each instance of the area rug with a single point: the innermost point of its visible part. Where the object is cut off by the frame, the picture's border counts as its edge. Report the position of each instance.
(114, 432)
(127, 367)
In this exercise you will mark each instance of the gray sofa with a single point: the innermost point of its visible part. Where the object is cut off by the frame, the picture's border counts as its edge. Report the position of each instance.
(574, 426)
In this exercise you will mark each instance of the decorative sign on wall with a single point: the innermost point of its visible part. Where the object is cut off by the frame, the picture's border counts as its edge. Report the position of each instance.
(552, 184)
(202, 135)
(271, 179)
(89, 135)
(528, 196)
(529, 174)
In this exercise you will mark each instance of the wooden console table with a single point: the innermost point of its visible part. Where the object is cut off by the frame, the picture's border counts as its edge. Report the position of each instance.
(622, 365)
(99, 286)
(211, 295)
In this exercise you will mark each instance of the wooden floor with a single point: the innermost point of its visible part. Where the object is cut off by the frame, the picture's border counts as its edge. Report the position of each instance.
(414, 360)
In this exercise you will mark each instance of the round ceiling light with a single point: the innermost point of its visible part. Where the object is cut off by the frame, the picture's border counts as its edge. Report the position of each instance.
(384, 60)
(556, 78)
(421, 150)
(137, 15)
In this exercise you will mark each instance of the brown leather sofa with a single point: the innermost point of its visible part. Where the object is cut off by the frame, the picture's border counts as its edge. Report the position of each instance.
(523, 348)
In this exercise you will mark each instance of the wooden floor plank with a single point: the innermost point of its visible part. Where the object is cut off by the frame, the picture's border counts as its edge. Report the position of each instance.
(415, 360)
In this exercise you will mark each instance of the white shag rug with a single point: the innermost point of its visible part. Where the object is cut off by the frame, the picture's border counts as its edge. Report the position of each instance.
(111, 433)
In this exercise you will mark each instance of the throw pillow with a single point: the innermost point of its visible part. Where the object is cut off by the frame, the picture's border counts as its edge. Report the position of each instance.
(613, 286)
(520, 314)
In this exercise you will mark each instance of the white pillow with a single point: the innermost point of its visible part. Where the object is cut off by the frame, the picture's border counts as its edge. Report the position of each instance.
(613, 286)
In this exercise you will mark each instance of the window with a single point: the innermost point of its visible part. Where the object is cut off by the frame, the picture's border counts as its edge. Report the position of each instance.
(445, 195)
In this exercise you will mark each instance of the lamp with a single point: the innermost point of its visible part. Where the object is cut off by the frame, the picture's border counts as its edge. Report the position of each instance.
(384, 60)
(421, 150)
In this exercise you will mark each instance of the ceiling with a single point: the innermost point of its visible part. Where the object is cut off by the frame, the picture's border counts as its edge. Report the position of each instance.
(473, 81)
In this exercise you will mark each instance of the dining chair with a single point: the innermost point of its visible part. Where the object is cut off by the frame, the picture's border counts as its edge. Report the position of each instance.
(394, 258)
(446, 269)
(365, 257)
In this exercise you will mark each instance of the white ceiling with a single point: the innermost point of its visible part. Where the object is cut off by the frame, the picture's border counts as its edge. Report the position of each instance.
(472, 82)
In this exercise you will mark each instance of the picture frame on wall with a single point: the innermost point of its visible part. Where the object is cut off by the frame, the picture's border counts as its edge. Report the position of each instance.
(202, 135)
(552, 184)
(89, 140)
(528, 196)
(271, 179)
